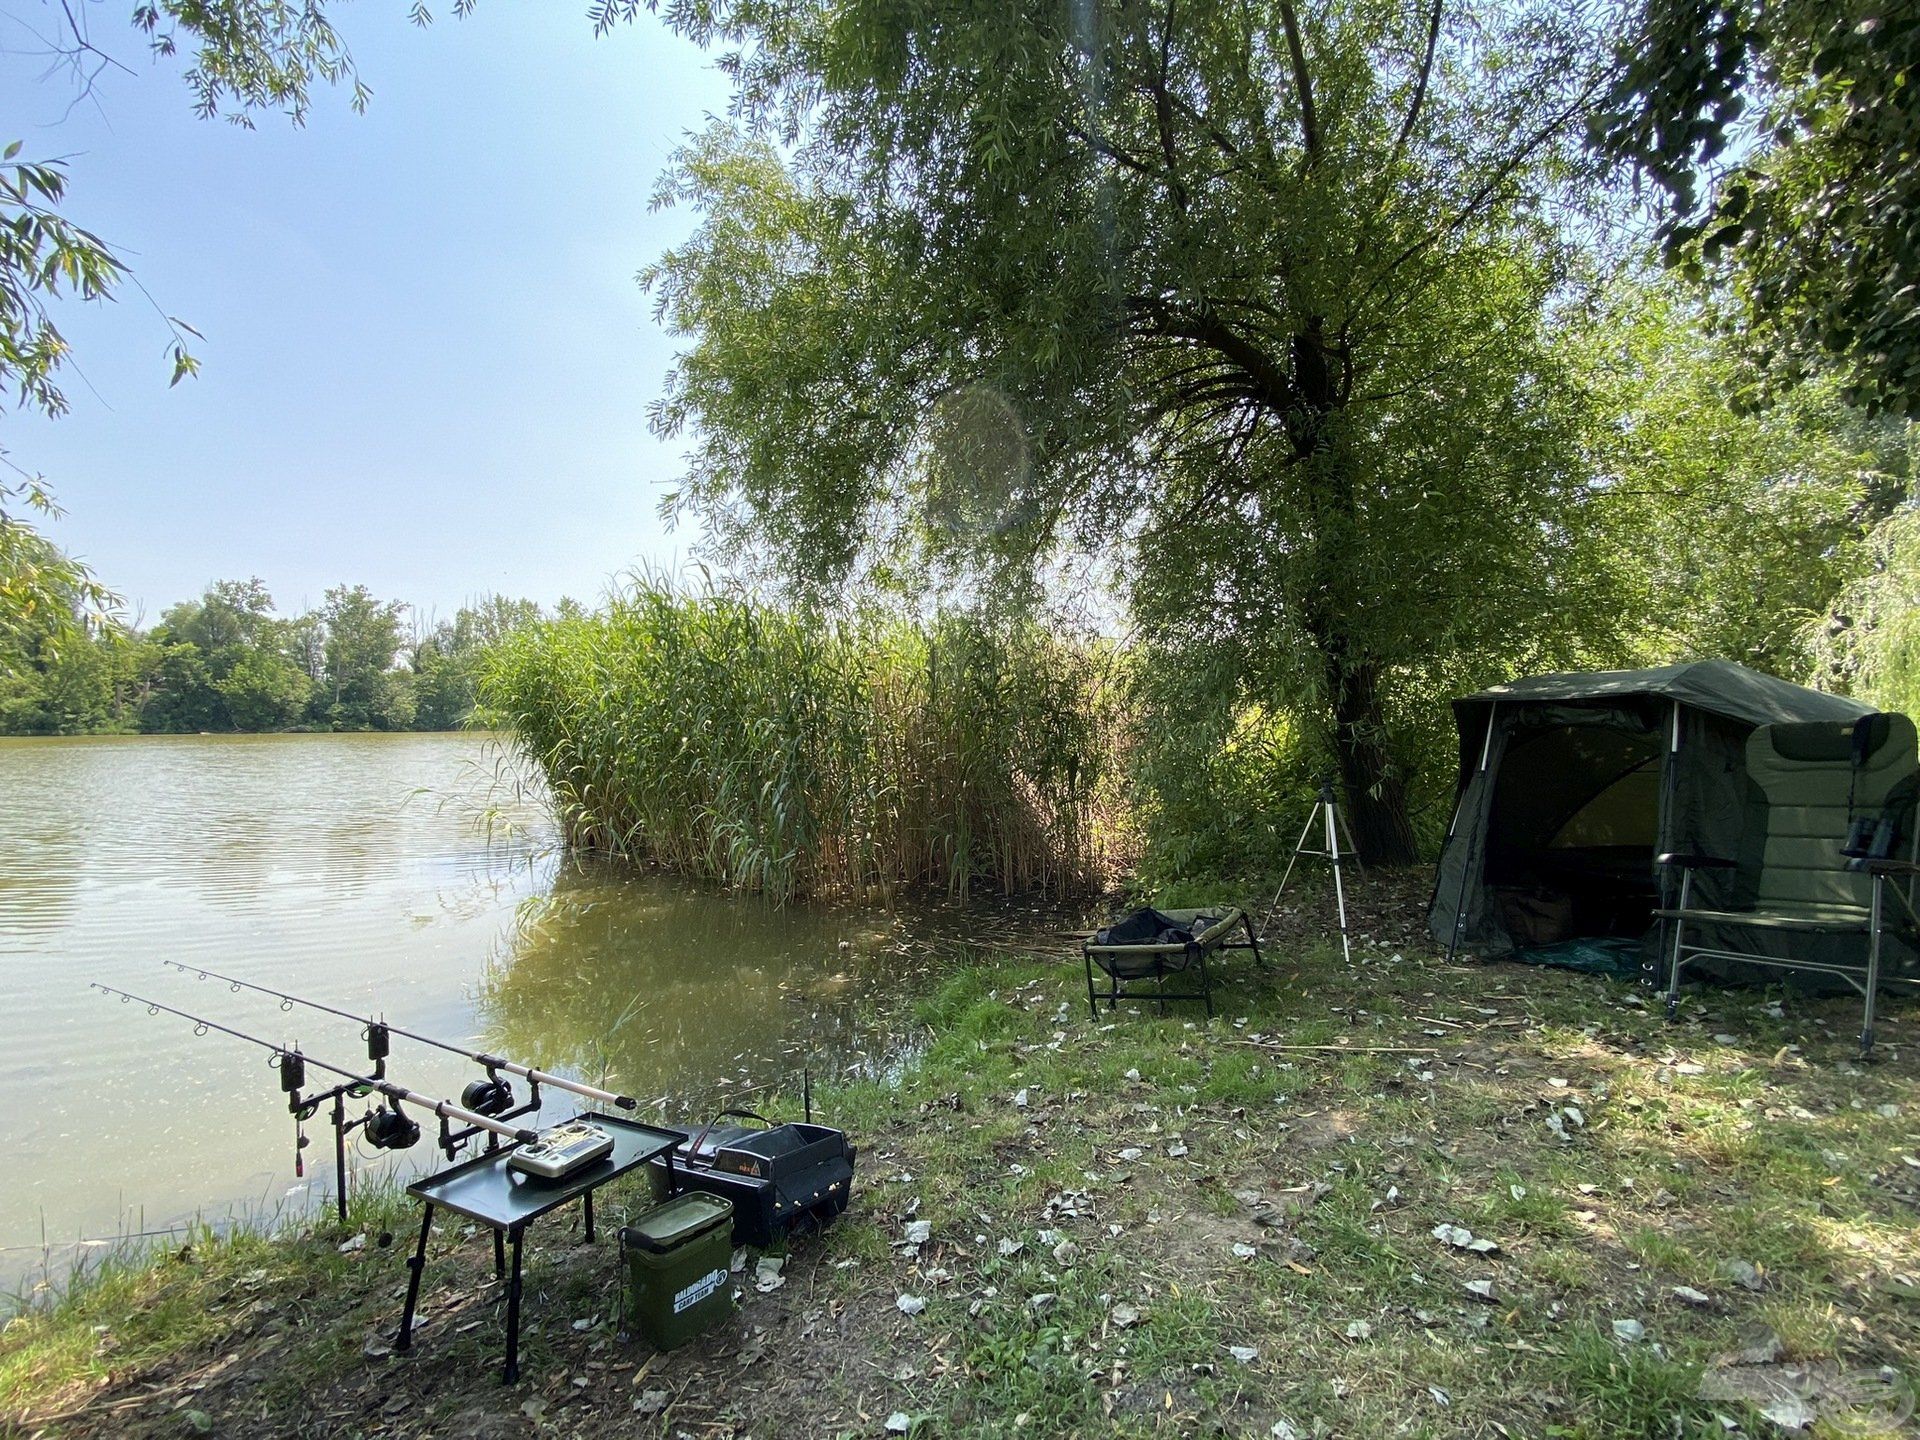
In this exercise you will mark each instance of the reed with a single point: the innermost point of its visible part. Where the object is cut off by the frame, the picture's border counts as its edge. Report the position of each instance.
(799, 755)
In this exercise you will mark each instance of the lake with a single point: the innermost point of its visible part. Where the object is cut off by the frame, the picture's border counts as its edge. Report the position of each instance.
(407, 875)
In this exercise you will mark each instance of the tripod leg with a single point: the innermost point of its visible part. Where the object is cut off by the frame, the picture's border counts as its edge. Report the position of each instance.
(1299, 848)
(1353, 850)
(1339, 890)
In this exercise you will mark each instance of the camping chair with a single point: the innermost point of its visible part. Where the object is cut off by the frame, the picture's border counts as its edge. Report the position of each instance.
(1837, 797)
(1153, 944)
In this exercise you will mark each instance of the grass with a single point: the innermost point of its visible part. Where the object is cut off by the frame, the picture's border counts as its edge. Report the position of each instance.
(788, 754)
(1168, 1191)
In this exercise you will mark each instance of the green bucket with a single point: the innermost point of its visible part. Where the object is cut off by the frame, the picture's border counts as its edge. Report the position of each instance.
(677, 1258)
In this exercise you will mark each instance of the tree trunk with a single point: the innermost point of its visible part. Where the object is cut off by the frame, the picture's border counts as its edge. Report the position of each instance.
(1376, 795)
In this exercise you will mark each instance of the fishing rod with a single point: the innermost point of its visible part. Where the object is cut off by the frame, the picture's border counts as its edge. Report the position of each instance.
(386, 1127)
(477, 1095)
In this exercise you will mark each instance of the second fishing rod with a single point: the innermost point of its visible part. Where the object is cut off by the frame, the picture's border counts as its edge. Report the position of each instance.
(492, 1096)
(386, 1127)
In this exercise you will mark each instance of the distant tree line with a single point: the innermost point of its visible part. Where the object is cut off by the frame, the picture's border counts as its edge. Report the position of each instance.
(228, 662)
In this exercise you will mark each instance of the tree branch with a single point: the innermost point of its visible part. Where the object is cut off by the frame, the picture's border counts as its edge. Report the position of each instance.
(1163, 113)
(1272, 385)
(1109, 149)
(1485, 192)
(1419, 89)
(1309, 121)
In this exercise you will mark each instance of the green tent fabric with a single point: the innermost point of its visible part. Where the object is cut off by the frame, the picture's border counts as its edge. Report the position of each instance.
(1570, 784)
(1719, 687)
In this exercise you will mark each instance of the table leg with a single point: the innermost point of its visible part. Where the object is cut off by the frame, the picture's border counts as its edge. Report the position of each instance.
(512, 1371)
(499, 1255)
(404, 1340)
(588, 1197)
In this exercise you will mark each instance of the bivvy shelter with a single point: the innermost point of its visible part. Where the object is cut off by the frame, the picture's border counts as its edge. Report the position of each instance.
(1571, 785)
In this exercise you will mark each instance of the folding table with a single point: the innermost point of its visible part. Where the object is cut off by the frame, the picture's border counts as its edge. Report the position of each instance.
(487, 1190)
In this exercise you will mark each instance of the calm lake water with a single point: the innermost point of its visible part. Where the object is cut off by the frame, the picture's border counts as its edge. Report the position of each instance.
(356, 869)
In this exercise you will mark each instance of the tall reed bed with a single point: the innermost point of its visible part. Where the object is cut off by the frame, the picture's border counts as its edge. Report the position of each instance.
(794, 754)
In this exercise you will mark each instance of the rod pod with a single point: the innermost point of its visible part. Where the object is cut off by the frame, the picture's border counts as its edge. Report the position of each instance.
(377, 1032)
(291, 1064)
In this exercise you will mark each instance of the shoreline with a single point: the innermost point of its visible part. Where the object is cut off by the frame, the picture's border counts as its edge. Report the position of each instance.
(1147, 1226)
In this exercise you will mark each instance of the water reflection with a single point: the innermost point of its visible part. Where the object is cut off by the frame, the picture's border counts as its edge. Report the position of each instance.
(666, 991)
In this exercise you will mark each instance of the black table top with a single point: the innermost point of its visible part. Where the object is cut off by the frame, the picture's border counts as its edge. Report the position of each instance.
(486, 1189)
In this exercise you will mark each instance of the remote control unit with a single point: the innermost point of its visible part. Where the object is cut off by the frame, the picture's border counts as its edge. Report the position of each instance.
(562, 1149)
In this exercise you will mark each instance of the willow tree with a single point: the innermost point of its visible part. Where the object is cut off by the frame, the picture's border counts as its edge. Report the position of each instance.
(1253, 290)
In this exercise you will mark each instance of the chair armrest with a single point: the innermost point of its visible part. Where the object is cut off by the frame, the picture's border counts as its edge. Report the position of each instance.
(1887, 867)
(1695, 862)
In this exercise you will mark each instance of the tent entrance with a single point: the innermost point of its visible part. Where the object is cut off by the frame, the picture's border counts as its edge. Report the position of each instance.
(1570, 839)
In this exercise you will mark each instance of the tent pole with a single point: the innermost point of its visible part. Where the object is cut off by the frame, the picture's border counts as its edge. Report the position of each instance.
(1466, 867)
(1670, 783)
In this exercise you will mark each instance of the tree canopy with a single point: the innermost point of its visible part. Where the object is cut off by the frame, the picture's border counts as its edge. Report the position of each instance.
(227, 661)
(1265, 293)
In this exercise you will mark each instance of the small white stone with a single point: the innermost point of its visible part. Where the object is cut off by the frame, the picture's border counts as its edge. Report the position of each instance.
(899, 1422)
(910, 1304)
(1359, 1330)
(1629, 1330)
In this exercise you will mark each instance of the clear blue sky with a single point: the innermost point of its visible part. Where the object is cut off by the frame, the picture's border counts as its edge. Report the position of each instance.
(426, 365)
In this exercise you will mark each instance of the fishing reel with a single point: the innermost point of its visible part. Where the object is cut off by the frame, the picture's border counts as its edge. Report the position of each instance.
(491, 1096)
(391, 1128)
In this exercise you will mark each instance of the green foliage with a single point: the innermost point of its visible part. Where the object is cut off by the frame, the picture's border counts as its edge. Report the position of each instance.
(264, 690)
(46, 598)
(43, 256)
(1811, 228)
(1870, 640)
(790, 753)
(446, 662)
(1731, 527)
(226, 661)
(184, 699)
(362, 638)
(1223, 783)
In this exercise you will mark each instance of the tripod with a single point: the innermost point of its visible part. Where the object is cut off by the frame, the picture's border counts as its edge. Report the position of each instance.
(1325, 812)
